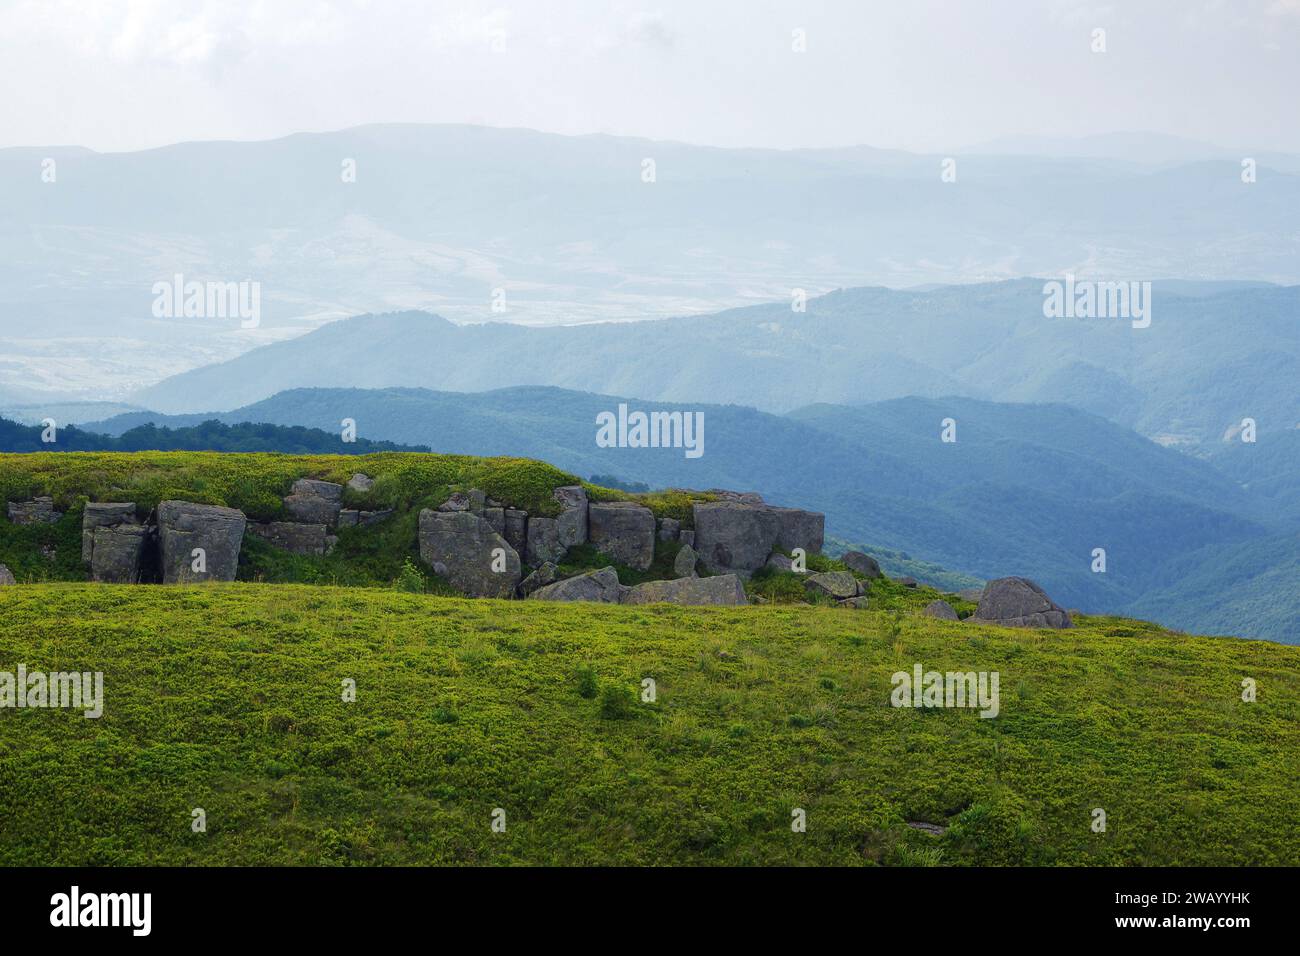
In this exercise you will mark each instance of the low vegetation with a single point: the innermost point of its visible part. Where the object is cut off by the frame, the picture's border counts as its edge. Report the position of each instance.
(229, 698)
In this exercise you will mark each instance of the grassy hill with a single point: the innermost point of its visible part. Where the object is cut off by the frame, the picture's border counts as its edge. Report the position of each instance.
(228, 698)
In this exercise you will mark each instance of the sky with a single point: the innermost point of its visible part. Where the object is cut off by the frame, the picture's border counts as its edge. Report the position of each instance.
(922, 75)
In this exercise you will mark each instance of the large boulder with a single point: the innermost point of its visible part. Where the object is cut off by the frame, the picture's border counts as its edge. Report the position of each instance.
(601, 586)
(184, 526)
(315, 502)
(623, 530)
(37, 511)
(103, 514)
(572, 522)
(6, 576)
(544, 541)
(738, 536)
(719, 589)
(293, 537)
(117, 552)
(864, 564)
(1019, 602)
(836, 584)
(466, 546)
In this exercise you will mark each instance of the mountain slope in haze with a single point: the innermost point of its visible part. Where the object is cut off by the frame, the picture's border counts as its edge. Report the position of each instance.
(1206, 361)
(1026, 490)
(439, 217)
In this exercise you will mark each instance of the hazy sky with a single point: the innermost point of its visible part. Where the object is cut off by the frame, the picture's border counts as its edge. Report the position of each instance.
(915, 74)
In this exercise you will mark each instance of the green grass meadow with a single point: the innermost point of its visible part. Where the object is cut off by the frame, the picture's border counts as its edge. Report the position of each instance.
(229, 698)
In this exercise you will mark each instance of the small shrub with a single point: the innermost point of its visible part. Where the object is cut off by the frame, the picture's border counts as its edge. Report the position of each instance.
(588, 686)
(616, 702)
(411, 579)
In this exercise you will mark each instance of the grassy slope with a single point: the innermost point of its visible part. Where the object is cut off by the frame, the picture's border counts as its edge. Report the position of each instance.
(228, 698)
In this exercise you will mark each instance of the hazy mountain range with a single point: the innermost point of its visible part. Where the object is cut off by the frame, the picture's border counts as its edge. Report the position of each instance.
(1213, 355)
(439, 217)
(1027, 489)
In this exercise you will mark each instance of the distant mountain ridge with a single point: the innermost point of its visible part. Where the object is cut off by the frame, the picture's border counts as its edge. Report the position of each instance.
(1208, 359)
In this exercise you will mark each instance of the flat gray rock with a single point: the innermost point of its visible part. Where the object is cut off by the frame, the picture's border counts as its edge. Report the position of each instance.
(37, 511)
(836, 584)
(734, 535)
(293, 537)
(684, 563)
(116, 553)
(103, 514)
(719, 589)
(601, 586)
(544, 541)
(571, 525)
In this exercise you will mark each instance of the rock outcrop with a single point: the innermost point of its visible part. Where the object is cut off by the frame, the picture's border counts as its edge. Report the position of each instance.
(315, 502)
(623, 530)
(477, 560)
(1019, 602)
(719, 589)
(571, 525)
(6, 576)
(361, 484)
(601, 586)
(184, 527)
(543, 576)
(37, 511)
(738, 536)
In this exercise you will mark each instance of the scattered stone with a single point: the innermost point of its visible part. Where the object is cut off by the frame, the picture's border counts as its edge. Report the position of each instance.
(106, 514)
(37, 511)
(1019, 602)
(367, 518)
(459, 501)
(360, 483)
(293, 537)
(6, 576)
(544, 541)
(543, 576)
(572, 522)
(864, 564)
(117, 552)
(684, 563)
(623, 530)
(836, 584)
(940, 609)
(719, 589)
(601, 586)
(184, 526)
(465, 543)
(739, 536)
(856, 603)
(669, 529)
